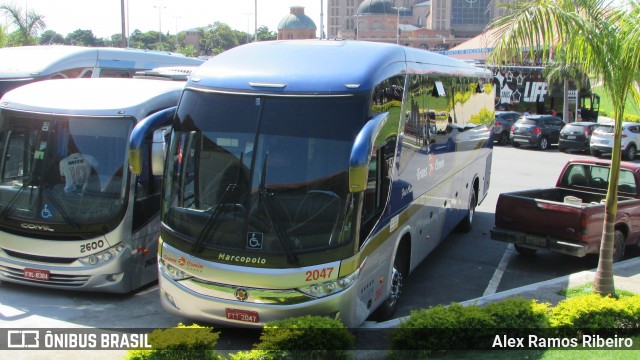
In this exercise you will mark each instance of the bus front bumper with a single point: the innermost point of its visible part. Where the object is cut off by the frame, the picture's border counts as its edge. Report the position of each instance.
(184, 301)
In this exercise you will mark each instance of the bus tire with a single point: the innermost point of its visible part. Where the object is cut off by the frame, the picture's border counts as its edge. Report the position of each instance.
(388, 308)
(467, 223)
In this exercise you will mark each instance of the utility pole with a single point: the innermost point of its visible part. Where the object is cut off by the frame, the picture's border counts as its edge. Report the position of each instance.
(160, 20)
(123, 42)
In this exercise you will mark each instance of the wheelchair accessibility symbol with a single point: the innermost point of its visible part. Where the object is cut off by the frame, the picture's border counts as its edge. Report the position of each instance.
(254, 241)
(47, 211)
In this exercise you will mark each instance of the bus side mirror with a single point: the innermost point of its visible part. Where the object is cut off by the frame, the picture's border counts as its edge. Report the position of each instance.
(142, 131)
(159, 150)
(367, 141)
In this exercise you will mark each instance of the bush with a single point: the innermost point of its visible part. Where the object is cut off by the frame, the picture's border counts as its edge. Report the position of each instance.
(593, 312)
(179, 343)
(306, 337)
(519, 313)
(442, 328)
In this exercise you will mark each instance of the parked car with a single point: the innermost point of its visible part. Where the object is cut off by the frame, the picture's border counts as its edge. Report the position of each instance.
(536, 130)
(576, 136)
(502, 125)
(602, 140)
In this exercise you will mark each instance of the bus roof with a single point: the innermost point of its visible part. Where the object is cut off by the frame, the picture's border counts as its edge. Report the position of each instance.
(28, 61)
(94, 96)
(319, 66)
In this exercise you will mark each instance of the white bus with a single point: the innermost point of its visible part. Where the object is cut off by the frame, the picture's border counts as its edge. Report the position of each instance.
(71, 214)
(291, 186)
(25, 64)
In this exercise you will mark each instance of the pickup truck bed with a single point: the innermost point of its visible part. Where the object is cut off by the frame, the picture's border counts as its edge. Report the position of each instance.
(566, 219)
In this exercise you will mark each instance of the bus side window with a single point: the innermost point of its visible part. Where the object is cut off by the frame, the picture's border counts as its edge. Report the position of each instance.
(378, 184)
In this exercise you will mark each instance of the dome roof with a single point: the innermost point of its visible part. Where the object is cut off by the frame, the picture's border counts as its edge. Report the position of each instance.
(374, 7)
(296, 20)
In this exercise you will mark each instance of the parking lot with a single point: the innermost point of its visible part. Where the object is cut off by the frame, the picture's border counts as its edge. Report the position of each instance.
(465, 266)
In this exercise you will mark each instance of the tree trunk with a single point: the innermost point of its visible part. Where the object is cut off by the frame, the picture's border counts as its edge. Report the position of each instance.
(603, 283)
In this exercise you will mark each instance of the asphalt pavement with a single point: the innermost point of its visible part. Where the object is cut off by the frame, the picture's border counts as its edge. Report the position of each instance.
(626, 277)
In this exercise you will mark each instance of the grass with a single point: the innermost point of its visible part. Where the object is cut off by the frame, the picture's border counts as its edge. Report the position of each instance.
(587, 289)
(606, 106)
(541, 354)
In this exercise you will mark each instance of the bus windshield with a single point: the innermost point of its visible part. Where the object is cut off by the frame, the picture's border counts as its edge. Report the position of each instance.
(266, 174)
(62, 176)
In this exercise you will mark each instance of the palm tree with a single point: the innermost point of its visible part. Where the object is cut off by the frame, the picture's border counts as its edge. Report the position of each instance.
(604, 41)
(559, 71)
(28, 25)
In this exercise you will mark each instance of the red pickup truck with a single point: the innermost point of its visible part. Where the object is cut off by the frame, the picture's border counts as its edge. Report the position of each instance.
(569, 218)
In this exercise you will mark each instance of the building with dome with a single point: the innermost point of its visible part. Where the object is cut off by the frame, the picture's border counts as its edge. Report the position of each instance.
(427, 24)
(296, 25)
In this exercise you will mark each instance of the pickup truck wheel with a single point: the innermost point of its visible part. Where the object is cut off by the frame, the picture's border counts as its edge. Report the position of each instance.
(467, 223)
(596, 153)
(543, 144)
(525, 250)
(515, 144)
(630, 153)
(618, 246)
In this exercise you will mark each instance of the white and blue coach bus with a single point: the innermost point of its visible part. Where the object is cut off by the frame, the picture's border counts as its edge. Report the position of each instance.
(72, 216)
(311, 177)
(26, 64)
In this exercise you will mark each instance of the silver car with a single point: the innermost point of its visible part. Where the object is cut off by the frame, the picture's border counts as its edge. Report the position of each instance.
(602, 140)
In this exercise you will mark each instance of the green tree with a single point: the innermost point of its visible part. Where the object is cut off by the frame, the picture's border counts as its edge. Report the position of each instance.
(51, 37)
(264, 34)
(3, 36)
(219, 37)
(603, 40)
(559, 71)
(81, 38)
(27, 24)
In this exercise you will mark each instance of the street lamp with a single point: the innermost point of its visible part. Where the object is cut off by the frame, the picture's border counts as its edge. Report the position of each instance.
(176, 17)
(160, 20)
(398, 8)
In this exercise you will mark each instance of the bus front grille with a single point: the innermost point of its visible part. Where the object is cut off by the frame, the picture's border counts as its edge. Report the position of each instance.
(61, 280)
(38, 258)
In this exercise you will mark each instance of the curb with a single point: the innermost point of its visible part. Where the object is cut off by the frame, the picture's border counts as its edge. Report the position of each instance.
(623, 271)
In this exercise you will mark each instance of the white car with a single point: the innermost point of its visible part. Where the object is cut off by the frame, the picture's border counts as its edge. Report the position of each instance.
(602, 140)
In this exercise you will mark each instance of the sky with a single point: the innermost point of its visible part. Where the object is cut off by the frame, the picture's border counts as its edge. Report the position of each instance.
(103, 17)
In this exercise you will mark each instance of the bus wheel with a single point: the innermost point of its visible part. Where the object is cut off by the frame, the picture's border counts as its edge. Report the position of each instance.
(467, 223)
(386, 310)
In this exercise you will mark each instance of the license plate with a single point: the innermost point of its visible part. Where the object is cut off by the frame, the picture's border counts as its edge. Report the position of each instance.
(571, 137)
(242, 315)
(537, 241)
(36, 274)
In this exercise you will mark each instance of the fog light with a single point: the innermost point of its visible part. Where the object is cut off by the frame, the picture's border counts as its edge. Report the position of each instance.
(171, 300)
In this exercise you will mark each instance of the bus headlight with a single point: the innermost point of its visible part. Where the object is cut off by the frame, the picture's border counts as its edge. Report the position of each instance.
(172, 271)
(330, 287)
(103, 256)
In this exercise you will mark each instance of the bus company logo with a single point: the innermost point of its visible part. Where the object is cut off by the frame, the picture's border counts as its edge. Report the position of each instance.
(22, 339)
(182, 261)
(169, 259)
(241, 294)
(36, 227)
(254, 240)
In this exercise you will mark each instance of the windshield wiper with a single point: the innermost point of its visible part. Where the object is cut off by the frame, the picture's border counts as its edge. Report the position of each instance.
(211, 226)
(281, 232)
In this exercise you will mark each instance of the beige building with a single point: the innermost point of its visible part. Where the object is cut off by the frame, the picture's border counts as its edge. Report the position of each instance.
(427, 24)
